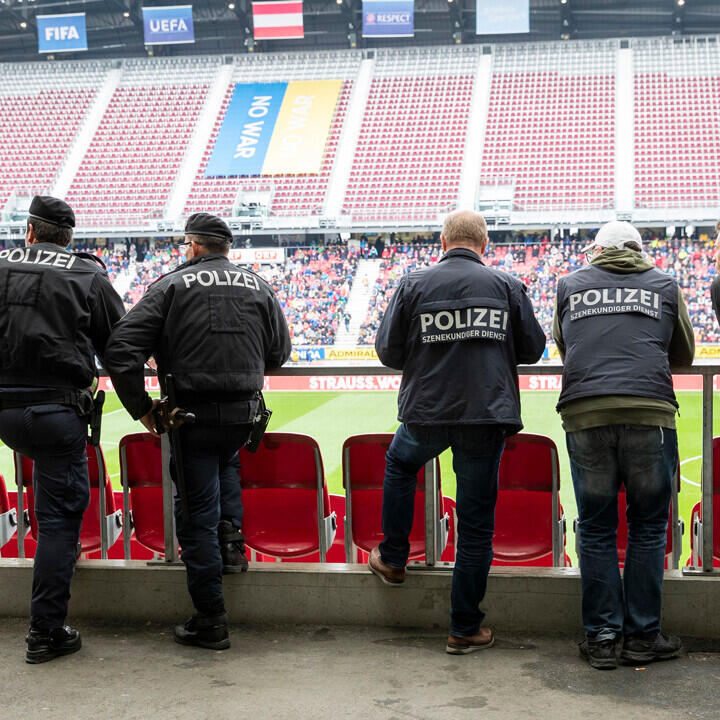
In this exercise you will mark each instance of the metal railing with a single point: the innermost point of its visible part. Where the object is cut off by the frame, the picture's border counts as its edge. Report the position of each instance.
(705, 369)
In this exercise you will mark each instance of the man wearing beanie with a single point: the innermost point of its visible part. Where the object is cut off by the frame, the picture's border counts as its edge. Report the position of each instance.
(620, 325)
(57, 310)
(215, 328)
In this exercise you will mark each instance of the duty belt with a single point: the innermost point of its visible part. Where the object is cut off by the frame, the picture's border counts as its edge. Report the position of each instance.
(235, 412)
(80, 400)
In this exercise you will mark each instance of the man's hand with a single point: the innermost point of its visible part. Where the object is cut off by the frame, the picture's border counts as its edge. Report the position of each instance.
(148, 419)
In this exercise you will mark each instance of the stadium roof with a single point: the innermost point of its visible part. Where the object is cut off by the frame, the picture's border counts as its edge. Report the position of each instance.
(224, 26)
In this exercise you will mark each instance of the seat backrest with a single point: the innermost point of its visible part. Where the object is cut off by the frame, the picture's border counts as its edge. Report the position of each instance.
(141, 460)
(4, 500)
(279, 490)
(141, 467)
(527, 463)
(364, 458)
(716, 465)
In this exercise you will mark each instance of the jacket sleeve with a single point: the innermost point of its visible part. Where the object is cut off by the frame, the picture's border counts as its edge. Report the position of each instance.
(392, 333)
(557, 331)
(134, 339)
(280, 346)
(715, 296)
(106, 309)
(528, 336)
(682, 343)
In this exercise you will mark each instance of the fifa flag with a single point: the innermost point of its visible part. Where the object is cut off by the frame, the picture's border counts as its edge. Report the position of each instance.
(278, 20)
(275, 129)
(61, 33)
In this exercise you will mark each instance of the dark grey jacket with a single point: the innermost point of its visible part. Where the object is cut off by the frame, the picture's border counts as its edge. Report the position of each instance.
(458, 330)
(617, 330)
(216, 327)
(57, 311)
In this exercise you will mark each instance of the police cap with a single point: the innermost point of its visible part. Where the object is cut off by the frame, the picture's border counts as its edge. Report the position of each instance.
(52, 210)
(210, 225)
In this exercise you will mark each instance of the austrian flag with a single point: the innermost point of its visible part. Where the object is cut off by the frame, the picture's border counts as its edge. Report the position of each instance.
(278, 20)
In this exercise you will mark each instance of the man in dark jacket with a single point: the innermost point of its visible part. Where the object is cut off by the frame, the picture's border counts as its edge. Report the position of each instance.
(620, 325)
(457, 331)
(715, 286)
(215, 328)
(57, 310)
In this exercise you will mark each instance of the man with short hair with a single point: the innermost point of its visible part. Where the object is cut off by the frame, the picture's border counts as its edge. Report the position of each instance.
(215, 328)
(457, 330)
(57, 310)
(620, 324)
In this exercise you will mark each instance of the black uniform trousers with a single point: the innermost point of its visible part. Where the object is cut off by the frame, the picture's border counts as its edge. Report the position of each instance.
(211, 466)
(54, 437)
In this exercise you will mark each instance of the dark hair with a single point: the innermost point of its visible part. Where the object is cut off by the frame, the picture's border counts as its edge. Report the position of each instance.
(213, 244)
(47, 232)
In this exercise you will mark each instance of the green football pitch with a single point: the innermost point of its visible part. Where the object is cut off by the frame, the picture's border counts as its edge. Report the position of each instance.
(332, 417)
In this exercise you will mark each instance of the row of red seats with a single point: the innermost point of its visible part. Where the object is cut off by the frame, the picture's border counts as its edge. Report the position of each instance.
(290, 515)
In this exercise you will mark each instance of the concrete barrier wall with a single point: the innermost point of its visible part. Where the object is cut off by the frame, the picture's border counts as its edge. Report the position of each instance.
(518, 599)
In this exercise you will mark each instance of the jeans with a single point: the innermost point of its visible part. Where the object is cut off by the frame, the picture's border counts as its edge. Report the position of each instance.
(643, 458)
(54, 437)
(476, 458)
(211, 467)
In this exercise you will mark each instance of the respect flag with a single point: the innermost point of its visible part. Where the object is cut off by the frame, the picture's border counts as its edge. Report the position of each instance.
(278, 20)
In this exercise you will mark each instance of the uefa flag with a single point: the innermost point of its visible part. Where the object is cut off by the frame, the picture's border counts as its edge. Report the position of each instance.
(278, 20)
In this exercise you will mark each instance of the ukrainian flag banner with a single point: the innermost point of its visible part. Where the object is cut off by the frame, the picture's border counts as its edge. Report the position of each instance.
(274, 129)
(302, 127)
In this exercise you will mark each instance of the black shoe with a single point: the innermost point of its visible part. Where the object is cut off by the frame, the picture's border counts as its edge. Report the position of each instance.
(641, 649)
(599, 653)
(206, 631)
(44, 645)
(232, 548)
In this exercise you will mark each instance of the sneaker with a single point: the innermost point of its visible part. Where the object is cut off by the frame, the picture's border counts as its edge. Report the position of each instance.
(600, 654)
(640, 649)
(232, 548)
(206, 631)
(389, 575)
(45, 645)
(481, 640)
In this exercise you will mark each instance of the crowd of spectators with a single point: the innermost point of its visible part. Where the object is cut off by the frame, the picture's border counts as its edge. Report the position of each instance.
(314, 282)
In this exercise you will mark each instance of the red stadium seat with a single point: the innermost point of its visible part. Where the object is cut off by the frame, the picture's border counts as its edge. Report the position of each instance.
(363, 476)
(141, 474)
(8, 516)
(696, 538)
(449, 510)
(90, 530)
(287, 510)
(529, 519)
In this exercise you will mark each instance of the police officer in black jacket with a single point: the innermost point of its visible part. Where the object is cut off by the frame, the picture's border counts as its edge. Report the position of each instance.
(457, 331)
(215, 328)
(57, 310)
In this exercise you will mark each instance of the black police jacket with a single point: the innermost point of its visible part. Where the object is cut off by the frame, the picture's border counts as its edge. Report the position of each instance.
(458, 330)
(57, 311)
(214, 326)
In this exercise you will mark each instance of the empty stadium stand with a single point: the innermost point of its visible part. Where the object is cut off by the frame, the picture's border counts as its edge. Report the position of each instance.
(130, 166)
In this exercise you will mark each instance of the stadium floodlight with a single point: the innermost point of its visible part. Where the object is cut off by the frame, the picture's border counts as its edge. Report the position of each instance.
(23, 24)
(231, 6)
(680, 2)
(126, 14)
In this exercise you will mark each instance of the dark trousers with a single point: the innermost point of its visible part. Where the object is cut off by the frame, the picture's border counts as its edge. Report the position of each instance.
(210, 462)
(476, 458)
(55, 438)
(644, 458)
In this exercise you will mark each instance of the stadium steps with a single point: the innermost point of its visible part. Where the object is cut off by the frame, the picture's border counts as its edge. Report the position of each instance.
(348, 140)
(357, 306)
(85, 134)
(475, 139)
(624, 132)
(199, 141)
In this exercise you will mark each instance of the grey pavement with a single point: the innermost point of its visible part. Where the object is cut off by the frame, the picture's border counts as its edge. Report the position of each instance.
(278, 672)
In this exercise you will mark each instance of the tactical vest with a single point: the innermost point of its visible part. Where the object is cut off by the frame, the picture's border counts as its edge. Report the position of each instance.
(617, 330)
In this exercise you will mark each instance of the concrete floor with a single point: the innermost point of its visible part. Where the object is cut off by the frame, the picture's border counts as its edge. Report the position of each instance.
(318, 672)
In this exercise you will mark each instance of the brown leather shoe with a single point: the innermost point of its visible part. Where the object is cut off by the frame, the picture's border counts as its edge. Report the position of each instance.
(389, 575)
(481, 640)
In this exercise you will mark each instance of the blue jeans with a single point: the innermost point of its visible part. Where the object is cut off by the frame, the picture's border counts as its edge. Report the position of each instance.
(643, 458)
(476, 458)
(54, 437)
(210, 461)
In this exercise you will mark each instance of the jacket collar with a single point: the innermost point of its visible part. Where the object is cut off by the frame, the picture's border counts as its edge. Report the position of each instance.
(464, 253)
(202, 258)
